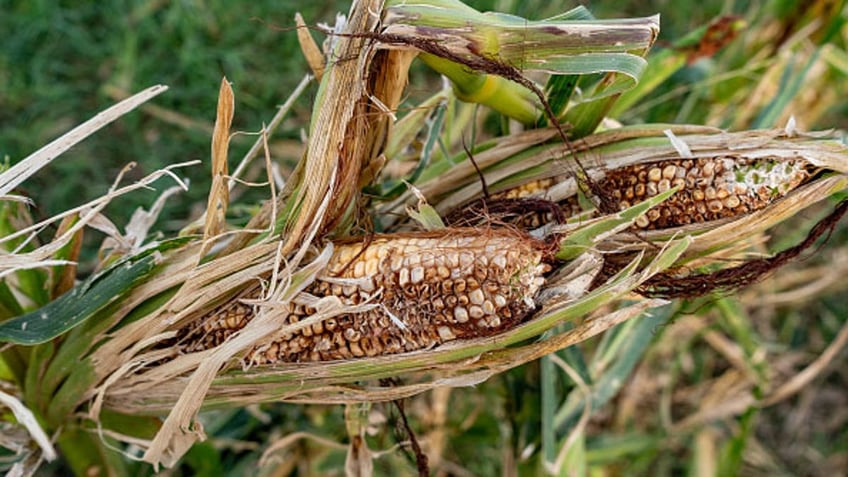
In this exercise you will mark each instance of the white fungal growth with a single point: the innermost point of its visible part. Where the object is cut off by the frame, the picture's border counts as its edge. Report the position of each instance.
(765, 178)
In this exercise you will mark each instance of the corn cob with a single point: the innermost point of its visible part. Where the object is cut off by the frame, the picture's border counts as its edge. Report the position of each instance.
(710, 189)
(428, 289)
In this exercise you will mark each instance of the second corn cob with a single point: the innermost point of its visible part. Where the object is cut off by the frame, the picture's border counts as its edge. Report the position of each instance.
(426, 289)
(711, 188)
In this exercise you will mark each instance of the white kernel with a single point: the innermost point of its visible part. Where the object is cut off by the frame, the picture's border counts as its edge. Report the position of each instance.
(477, 297)
(417, 275)
(359, 269)
(370, 252)
(351, 334)
(428, 260)
(403, 276)
(651, 188)
(371, 267)
(466, 259)
(445, 333)
(412, 259)
(460, 314)
(476, 312)
(397, 263)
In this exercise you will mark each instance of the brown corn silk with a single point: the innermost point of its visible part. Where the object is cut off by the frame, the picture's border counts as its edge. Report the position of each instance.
(419, 290)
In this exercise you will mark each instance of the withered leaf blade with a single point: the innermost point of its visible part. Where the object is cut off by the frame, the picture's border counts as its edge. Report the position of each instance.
(310, 49)
(219, 195)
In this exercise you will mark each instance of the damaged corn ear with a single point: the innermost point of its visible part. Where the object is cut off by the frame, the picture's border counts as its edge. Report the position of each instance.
(425, 289)
(710, 188)
(714, 188)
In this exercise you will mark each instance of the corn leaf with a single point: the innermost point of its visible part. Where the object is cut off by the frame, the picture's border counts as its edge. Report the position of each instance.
(76, 306)
(584, 238)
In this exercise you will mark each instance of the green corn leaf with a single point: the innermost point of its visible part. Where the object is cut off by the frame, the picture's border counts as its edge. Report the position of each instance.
(558, 91)
(616, 447)
(433, 133)
(68, 396)
(9, 305)
(575, 14)
(468, 39)
(582, 239)
(77, 305)
(631, 351)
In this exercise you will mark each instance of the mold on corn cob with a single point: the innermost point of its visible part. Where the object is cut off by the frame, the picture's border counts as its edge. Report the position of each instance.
(426, 289)
(711, 188)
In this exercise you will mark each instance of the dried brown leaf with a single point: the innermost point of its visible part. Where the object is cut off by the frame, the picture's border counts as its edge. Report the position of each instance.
(219, 193)
(310, 49)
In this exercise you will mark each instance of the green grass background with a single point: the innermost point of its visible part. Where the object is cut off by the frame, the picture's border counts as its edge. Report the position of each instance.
(61, 63)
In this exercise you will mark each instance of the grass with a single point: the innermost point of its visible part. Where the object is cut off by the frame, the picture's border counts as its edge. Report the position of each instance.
(672, 393)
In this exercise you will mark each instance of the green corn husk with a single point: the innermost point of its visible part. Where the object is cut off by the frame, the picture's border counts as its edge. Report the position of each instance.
(459, 41)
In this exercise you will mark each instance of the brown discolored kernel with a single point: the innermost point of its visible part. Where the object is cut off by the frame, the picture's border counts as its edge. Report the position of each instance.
(500, 268)
(653, 215)
(714, 206)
